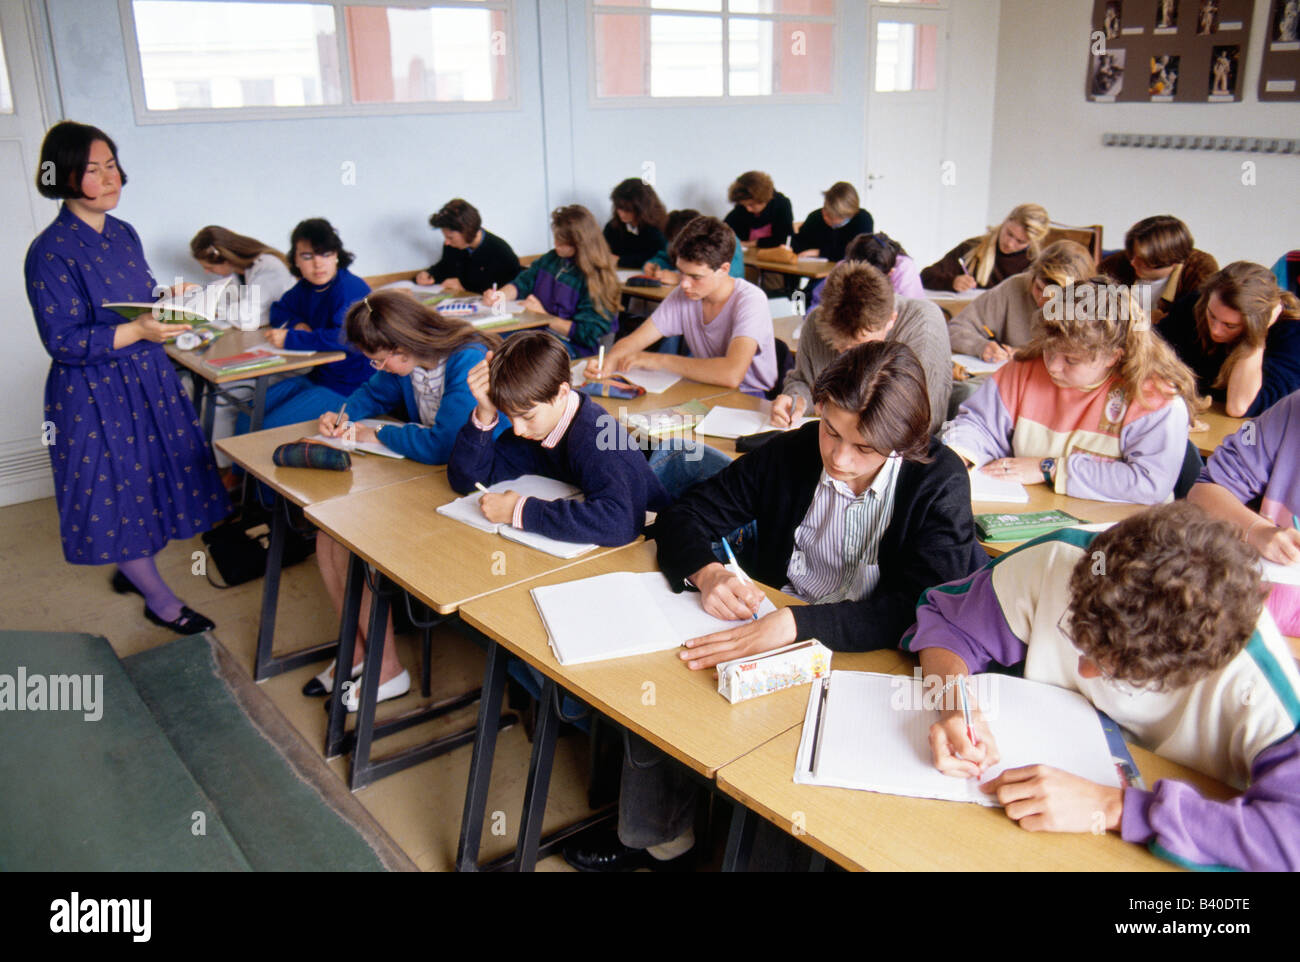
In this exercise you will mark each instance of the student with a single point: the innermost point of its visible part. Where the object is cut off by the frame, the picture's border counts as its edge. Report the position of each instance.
(826, 232)
(1262, 461)
(472, 259)
(132, 470)
(558, 433)
(859, 307)
(1171, 641)
(257, 266)
(1160, 256)
(635, 232)
(661, 267)
(1096, 406)
(422, 362)
(725, 320)
(762, 217)
(1012, 310)
(574, 282)
(1241, 337)
(887, 256)
(866, 483)
(310, 318)
(991, 259)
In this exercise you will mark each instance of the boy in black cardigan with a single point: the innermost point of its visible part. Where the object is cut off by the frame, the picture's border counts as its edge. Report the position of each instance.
(871, 454)
(557, 433)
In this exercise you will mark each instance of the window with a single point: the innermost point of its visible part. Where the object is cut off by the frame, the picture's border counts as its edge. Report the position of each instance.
(653, 49)
(906, 56)
(303, 58)
(6, 94)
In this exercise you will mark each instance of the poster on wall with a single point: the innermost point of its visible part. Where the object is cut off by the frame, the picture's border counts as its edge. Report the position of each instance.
(1174, 51)
(1279, 68)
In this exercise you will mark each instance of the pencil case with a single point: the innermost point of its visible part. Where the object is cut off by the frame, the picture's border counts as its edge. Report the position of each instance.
(306, 454)
(797, 664)
(616, 386)
(1022, 527)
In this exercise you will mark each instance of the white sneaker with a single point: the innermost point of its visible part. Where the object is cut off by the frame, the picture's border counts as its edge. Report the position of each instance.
(395, 687)
(323, 683)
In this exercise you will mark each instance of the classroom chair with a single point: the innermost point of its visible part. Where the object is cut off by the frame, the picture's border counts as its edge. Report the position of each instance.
(1191, 470)
(1089, 237)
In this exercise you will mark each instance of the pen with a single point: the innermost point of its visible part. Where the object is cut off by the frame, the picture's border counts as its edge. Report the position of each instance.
(600, 362)
(817, 729)
(479, 485)
(965, 711)
(736, 569)
(1295, 521)
(338, 420)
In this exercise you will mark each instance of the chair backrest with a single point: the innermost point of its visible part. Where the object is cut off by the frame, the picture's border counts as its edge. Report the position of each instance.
(1191, 470)
(1089, 237)
(784, 362)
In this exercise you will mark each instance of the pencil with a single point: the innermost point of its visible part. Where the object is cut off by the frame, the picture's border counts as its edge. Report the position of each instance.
(965, 711)
(992, 336)
(338, 419)
(479, 485)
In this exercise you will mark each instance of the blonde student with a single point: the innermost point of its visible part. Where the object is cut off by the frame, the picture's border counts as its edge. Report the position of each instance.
(1095, 407)
(1009, 316)
(258, 267)
(988, 260)
(421, 363)
(725, 320)
(574, 282)
(827, 231)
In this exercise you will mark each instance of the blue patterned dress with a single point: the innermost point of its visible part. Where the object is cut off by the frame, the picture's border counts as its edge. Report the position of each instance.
(132, 469)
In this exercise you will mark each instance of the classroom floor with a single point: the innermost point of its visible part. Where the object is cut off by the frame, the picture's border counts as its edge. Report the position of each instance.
(419, 807)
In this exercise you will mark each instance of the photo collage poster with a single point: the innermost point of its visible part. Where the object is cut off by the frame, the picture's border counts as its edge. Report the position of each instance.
(1168, 51)
(1279, 71)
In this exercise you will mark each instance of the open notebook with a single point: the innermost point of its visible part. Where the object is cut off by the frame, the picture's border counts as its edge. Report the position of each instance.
(620, 614)
(976, 365)
(365, 447)
(1277, 574)
(985, 487)
(725, 422)
(654, 381)
(871, 732)
(467, 511)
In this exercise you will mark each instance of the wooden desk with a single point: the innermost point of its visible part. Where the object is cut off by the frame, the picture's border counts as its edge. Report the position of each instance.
(655, 696)
(1042, 498)
(207, 382)
(1220, 426)
(785, 328)
(951, 302)
(805, 268)
(649, 293)
(303, 487)
(868, 831)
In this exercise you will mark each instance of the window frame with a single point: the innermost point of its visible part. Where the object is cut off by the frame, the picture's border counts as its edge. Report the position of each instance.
(835, 96)
(348, 108)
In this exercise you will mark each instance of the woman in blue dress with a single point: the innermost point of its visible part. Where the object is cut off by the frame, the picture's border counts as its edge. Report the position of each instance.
(132, 469)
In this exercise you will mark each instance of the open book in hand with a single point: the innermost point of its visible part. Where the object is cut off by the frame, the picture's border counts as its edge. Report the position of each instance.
(197, 306)
(623, 613)
(467, 511)
(871, 732)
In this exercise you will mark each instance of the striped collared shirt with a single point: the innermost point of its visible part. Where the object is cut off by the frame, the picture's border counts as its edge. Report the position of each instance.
(836, 545)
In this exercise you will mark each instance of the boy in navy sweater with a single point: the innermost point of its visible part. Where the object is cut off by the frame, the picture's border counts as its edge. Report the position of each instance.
(558, 433)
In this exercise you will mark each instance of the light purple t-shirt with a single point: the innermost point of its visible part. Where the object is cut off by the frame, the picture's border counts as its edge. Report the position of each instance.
(744, 315)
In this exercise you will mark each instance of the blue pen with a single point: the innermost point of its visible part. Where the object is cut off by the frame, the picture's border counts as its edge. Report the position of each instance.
(736, 569)
(1295, 520)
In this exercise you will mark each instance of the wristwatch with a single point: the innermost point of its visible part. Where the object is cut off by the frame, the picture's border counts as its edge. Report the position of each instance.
(1046, 465)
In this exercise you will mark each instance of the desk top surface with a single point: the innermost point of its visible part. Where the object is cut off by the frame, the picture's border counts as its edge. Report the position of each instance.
(1219, 426)
(814, 268)
(235, 341)
(656, 695)
(1042, 498)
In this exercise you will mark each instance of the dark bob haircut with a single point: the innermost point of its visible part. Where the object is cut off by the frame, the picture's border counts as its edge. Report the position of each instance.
(883, 383)
(65, 152)
(323, 238)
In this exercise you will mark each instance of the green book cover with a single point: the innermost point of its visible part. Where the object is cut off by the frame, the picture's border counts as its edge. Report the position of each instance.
(1021, 527)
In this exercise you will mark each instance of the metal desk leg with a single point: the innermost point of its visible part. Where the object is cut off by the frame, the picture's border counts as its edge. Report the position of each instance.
(208, 404)
(335, 736)
(259, 404)
(365, 728)
(480, 765)
(740, 839)
(539, 778)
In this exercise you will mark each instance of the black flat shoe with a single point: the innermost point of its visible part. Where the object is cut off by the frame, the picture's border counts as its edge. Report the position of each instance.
(122, 585)
(189, 623)
(603, 852)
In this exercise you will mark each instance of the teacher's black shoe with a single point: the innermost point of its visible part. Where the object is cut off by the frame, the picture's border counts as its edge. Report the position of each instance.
(123, 585)
(189, 623)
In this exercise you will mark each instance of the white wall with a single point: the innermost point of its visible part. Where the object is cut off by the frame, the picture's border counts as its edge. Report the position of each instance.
(1048, 145)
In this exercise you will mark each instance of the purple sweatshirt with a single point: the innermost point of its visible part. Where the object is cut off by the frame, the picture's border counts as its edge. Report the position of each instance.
(1009, 611)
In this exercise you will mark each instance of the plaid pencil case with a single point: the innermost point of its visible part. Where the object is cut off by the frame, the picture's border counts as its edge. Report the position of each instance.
(310, 454)
(616, 386)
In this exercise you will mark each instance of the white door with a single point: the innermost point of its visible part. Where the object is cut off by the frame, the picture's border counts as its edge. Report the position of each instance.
(24, 460)
(906, 120)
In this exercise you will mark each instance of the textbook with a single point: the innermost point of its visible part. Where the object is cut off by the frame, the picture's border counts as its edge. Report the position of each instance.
(253, 360)
(200, 306)
(365, 447)
(467, 511)
(1022, 527)
(660, 422)
(620, 614)
(871, 732)
(732, 423)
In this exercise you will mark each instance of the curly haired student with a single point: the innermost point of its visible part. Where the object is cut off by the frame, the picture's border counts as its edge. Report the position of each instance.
(1170, 639)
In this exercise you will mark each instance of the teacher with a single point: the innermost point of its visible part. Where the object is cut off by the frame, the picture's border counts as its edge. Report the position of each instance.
(132, 469)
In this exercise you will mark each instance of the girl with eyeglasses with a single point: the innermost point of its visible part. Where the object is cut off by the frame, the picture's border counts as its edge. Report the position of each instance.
(420, 363)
